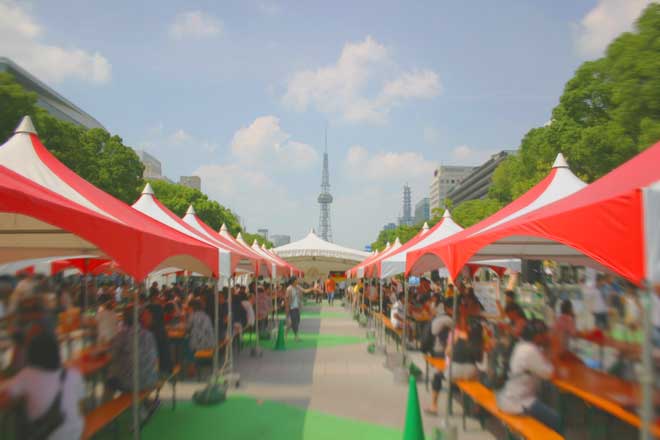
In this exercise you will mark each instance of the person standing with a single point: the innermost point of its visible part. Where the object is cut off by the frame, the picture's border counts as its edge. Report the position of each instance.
(293, 303)
(330, 287)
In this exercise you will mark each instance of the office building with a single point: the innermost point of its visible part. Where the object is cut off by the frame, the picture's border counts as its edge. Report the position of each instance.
(194, 182)
(476, 184)
(152, 166)
(422, 211)
(406, 218)
(280, 239)
(48, 99)
(263, 233)
(444, 178)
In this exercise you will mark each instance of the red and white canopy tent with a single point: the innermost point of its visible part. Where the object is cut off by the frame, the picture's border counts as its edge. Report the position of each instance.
(558, 184)
(293, 270)
(394, 263)
(614, 222)
(358, 270)
(252, 262)
(371, 268)
(48, 210)
(149, 205)
(83, 264)
(278, 269)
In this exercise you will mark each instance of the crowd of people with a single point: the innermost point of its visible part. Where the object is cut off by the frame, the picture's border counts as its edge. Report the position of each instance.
(34, 309)
(510, 351)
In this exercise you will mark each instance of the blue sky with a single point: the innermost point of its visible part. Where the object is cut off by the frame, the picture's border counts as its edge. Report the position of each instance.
(240, 92)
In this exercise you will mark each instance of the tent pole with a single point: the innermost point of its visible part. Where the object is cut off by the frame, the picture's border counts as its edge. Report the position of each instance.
(380, 310)
(256, 315)
(450, 341)
(405, 318)
(216, 294)
(230, 325)
(83, 286)
(136, 380)
(646, 378)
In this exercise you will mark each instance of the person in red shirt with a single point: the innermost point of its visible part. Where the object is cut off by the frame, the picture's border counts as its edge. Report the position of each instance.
(330, 287)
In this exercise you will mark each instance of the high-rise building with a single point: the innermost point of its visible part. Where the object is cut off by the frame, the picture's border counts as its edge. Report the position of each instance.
(280, 239)
(263, 233)
(444, 178)
(48, 99)
(476, 184)
(194, 182)
(406, 218)
(422, 210)
(325, 199)
(152, 167)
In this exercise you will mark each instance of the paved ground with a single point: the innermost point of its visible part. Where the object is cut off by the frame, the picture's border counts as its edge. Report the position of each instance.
(341, 380)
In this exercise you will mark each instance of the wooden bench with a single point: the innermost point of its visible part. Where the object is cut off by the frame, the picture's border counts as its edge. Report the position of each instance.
(437, 363)
(206, 356)
(108, 413)
(395, 333)
(516, 425)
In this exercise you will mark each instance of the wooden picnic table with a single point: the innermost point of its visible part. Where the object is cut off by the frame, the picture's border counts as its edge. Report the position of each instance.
(606, 392)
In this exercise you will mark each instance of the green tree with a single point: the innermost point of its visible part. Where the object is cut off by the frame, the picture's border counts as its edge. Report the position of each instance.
(177, 198)
(471, 212)
(95, 155)
(609, 111)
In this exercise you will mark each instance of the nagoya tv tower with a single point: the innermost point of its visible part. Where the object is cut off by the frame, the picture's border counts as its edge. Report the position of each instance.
(325, 199)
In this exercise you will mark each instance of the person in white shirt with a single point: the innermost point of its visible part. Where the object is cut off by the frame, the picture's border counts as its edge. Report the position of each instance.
(397, 313)
(39, 384)
(595, 302)
(107, 324)
(529, 365)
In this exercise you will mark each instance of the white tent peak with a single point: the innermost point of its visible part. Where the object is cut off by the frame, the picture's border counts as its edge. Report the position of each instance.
(425, 227)
(223, 228)
(239, 237)
(191, 210)
(397, 242)
(446, 214)
(387, 245)
(148, 189)
(26, 126)
(560, 162)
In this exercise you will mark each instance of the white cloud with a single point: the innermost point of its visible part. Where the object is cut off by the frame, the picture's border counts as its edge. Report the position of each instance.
(160, 141)
(264, 140)
(396, 167)
(465, 155)
(253, 195)
(431, 135)
(269, 8)
(344, 88)
(195, 25)
(605, 22)
(21, 41)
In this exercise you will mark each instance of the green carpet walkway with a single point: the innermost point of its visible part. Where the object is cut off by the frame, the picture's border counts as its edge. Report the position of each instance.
(245, 418)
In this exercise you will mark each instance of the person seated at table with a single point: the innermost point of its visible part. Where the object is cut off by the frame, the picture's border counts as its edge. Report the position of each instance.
(154, 319)
(467, 352)
(509, 298)
(563, 329)
(107, 325)
(469, 308)
(120, 370)
(39, 384)
(238, 312)
(450, 291)
(529, 365)
(397, 316)
(199, 331)
(517, 320)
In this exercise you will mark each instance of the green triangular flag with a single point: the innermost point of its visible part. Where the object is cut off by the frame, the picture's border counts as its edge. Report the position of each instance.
(413, 429)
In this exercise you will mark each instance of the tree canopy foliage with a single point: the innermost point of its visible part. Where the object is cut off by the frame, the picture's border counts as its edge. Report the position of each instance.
(608, 112)
(97, 156)
(177, 198)
(104, 160)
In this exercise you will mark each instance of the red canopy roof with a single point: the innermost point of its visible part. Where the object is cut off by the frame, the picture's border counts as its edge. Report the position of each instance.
(48, 210)
(603, 222)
